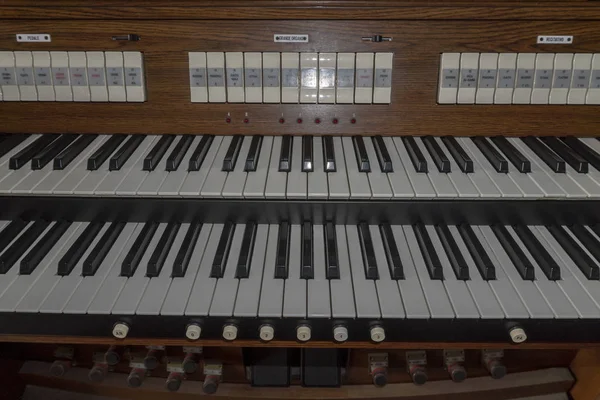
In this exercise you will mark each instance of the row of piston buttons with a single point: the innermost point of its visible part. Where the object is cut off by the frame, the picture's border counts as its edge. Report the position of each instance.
(298, 120)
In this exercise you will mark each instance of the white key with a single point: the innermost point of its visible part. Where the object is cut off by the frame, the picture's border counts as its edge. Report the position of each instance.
(318, 288)
(342, 299)
(296, 179)
(380, 185)
(32, 179)
(419, 181)
(463, 185)
(174, 181)
(584, 181)
(294, 300)
(317, 180)
(399, 182)
(338, 180)
(271, 293)
(481, 173)
(234, 184)
(14, 177)
(441, 183)
(195, 179)
(359, 182)
(257, 180)
(213, 185)
(154, 179)
(246, 303)
(179, 291)
(276, 181)
(136, 174)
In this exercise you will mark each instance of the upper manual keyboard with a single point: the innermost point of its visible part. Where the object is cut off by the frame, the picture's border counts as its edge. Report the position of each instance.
(300, 167)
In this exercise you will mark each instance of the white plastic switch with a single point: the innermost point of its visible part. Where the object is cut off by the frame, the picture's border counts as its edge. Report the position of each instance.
(544, 64)
(215, 70)
(488, 72)
(580, 79)
(25, 77)
(363, 94)
(345, 78)
(230, 332)
(115, 76)
(382, 91)
(197, 61)
(78, 70)
(377, 334)
(61, 76)
(309, 77)
(120, 330)
(97, 76)
(303, 333)
(449, 78)
(518, 335)
(134, 76)
(290, 77)
(469, 66)
(327, 72)
(253, 77)
(10, 90)
(505, 85)
(340, 333)
(267, 333)
(593, 94)
(271, 77)
(234, 65)
(561, 79)
(193, 332)
(43, 76)
(525, 75)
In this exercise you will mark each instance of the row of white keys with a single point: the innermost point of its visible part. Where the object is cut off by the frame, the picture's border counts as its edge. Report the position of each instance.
(155, 178)
(271, 292)
(181, 287)
(435, 294)
(390, 300)
(463, 185)
(195, 179)
(223, 301)
(156, 291)
(358, 181)
(318, 302)
(135, 175)
(66, 285)
(174, 180)
(365, 292)
(441, 183)
(213, 185)
(236, 179)
(249, 290)
(257, 180)
(420, 182)
(380, 185)
(294, 298)
(45, 275)
(296, 179)
(342, 295)
(89, 287)
(46, 185)
(204, 286)
(458, 294)
(527, 291)
(338, 180)
(276, 180)
(317, 179)
(399, 182)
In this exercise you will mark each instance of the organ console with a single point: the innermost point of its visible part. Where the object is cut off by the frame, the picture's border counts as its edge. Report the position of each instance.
(337, 193)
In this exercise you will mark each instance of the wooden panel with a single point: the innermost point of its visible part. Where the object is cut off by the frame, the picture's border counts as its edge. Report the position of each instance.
(586, 367)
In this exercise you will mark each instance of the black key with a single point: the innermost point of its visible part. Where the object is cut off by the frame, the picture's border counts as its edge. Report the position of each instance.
(432, 261)
(102, 154)
(383, 155)
(20, 246)
(176, 156)
(186, 250)
(285, 155)
(242, 270)
(157, 260)
(437, 154)
(307, 154)
(516, 255)
(68, 155)
(30, 262)
(583, 150)
(459, 154)
(122, 155)
(51, 151)
(220, 261)
(253, 154)
(521, 163)
(157, 153)
(232, 153)
(415, 154)
(79, 247)
(200, 153)
(9, 142)
(328, 154)
(283, 248)
(499, 163)
(577, 162)
(538, 252)
(360, 151)
(307, 270)
(30, 151)
(587, 240)
(135, 254)
(459, 265)
(584, 262)
(486, 268)
(391, 252)
(100, 251)
(368, 253)
(554, 162)
(331, 255)
(10, 232)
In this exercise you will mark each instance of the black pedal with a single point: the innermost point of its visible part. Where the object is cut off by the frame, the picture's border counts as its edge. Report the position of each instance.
(321, 368)
(268, 367)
